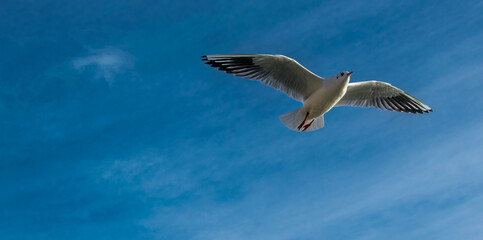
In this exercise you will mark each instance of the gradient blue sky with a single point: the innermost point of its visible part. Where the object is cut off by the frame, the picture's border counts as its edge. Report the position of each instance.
(112, 128)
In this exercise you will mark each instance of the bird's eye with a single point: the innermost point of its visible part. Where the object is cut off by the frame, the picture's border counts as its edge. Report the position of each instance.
(342, 74)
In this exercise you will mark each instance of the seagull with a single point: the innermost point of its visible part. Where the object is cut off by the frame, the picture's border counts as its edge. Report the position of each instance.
(317, 94)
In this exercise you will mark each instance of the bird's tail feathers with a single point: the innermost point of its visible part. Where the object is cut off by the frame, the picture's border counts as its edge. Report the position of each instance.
(293, 119)
(318, 123)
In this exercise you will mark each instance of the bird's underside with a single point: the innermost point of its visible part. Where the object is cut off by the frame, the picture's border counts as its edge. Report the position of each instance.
(288, 76)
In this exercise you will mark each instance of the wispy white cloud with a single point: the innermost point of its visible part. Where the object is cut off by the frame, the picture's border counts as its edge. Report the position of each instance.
(107, 62)
(150, 173)
(276, 208)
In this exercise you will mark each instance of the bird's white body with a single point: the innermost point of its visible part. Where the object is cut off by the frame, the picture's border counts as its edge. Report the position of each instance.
(324, 98)
(318, 94)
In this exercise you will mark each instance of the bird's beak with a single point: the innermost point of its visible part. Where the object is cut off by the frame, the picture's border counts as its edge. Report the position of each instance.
(349, 74)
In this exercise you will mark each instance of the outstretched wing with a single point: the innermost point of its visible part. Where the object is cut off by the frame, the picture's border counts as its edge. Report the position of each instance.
(276, 71)
(383, 96)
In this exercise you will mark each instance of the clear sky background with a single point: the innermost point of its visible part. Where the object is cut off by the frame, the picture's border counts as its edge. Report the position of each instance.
(112, 128)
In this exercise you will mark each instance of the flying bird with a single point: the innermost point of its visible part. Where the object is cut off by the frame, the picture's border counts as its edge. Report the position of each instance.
(317, 94)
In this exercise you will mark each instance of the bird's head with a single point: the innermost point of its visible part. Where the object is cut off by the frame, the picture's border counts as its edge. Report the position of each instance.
(342, 76)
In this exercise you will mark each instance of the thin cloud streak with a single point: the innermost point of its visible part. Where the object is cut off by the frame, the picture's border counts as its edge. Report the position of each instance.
(107, 62)
(427, 175)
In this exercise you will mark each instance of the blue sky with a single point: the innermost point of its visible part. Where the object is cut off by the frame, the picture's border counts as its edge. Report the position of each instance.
(112, 128)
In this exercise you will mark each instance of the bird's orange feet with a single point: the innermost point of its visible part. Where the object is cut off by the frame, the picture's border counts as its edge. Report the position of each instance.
(303, 123)
(308, 125)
